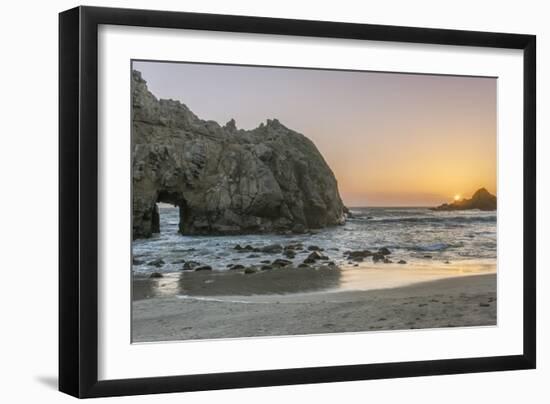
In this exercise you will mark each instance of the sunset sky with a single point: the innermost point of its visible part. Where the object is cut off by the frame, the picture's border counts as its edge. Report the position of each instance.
(390, 139)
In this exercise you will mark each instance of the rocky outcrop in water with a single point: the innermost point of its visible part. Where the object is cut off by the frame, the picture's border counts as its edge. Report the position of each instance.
(225, 180)
(482, 200)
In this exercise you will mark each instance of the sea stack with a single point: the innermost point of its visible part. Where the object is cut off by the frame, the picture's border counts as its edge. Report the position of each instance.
(482, 200)
(225, 180)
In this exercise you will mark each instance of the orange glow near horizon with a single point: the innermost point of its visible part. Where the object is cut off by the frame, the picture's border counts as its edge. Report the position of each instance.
(428, 164)
(414, 175)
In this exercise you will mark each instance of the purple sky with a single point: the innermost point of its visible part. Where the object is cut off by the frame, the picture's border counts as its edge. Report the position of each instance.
(390, 139)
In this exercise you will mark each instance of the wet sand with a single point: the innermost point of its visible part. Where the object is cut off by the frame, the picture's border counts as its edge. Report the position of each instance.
(247, 306)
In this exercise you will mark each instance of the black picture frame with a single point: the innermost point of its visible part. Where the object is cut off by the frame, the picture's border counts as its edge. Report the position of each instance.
(78, 201)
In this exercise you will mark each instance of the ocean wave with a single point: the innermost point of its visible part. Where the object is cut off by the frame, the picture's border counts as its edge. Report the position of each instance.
(434, 247)
(213, 299)
(409, 233)
(427, 219)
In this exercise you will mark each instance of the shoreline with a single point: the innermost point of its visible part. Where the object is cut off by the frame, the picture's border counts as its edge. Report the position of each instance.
(290, 280)
(468, 300)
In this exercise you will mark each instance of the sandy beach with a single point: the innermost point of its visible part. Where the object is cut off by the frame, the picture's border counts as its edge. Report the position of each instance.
(162, 313)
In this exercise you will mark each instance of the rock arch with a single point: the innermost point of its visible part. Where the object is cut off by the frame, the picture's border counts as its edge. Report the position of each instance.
(147, 215)
(225, 180)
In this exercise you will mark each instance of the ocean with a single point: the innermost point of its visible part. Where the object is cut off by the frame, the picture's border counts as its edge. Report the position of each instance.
(433, 244)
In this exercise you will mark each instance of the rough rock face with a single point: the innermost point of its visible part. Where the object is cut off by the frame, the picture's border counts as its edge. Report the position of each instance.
(225, 180)
(482, 200)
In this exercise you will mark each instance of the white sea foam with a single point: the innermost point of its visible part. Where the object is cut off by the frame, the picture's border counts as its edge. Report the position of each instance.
(214, 299)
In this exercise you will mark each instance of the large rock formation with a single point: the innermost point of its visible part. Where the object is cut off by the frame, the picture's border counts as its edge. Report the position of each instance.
(482, 200)
(225, 180)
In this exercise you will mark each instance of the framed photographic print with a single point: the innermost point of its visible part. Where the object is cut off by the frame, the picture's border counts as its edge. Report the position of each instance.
(251, 201)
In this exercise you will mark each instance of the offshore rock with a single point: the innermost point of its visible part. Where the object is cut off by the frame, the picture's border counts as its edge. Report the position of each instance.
(223, 179)
(482, 200)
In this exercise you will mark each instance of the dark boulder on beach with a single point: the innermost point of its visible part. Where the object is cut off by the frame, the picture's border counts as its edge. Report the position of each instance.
(156, 275)
(482, 200)
(357, 256)
(203, 268)
(281, 262)
(289, 253)
(378, 257)
(384, 251)
(225, 180)
(272, 249)
(157, 262)
(190, 265)
(316, 255)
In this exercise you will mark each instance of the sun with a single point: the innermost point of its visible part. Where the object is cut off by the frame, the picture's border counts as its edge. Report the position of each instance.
(457, 197)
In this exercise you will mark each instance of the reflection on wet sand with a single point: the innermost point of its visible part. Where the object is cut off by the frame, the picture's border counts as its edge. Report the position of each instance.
(233, 283)
(282, 281)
